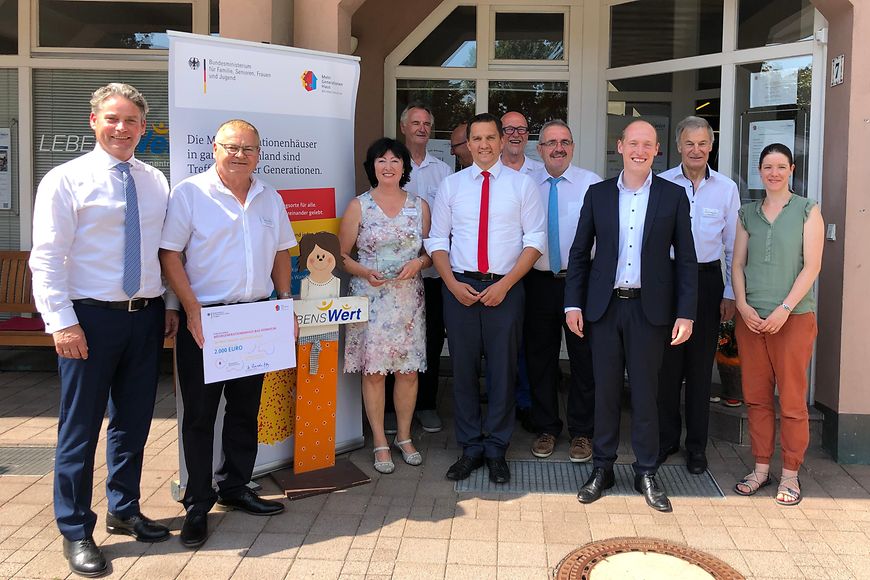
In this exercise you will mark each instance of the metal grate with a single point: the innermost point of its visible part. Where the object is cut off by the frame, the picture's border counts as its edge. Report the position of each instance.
(529, 476)
(26, 460)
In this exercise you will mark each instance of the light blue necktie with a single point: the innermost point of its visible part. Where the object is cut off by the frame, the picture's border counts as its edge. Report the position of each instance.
(554, 255)
(132, 236)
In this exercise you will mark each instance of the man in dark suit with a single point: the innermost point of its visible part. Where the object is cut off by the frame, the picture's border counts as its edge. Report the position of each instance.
(629, 295)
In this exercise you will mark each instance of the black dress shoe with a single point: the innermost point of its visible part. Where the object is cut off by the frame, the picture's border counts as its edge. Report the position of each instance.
(253, 504)
(194, 530)
(665, 452)
(600, 480)
(696, 463)
(655, 497)
(84, 557)
(138, 526)
(499, 472)
(463, 468)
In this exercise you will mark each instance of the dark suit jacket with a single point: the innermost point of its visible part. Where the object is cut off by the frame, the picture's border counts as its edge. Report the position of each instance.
(669, 288)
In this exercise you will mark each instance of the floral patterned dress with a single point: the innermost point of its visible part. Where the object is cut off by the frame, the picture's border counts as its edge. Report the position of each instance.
(394, 338)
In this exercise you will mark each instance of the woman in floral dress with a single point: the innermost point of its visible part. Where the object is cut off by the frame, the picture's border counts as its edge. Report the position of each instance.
(387, 226)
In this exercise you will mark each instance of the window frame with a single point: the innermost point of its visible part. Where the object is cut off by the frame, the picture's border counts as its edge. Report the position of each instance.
(496, 63)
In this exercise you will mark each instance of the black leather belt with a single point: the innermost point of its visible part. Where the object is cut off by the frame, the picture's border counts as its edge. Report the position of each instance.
(714, 265)
(549, 273)
(488, 277)
(627, 292)
(133, 305)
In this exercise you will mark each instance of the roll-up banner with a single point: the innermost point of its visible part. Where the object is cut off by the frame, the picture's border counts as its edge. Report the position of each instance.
(302, 102)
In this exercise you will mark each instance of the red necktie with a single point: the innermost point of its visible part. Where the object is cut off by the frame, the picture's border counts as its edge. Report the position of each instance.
(483, 226)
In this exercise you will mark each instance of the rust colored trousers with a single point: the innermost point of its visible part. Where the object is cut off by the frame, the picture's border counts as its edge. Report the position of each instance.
(781, 360)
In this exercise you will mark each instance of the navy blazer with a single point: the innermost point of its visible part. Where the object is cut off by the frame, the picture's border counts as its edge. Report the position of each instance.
(669, 288)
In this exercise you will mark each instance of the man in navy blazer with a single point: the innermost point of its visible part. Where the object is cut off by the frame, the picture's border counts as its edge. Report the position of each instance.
(632, 299)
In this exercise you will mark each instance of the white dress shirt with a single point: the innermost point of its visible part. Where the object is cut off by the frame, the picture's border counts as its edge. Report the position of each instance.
(713, 209)
(78, 234)
(425, 179)
(229, 248)
(516, 218)
(530, 166)
(572, 191)
(632, 215)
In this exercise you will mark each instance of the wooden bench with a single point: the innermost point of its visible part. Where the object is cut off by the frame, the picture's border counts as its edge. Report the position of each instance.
(16, 296)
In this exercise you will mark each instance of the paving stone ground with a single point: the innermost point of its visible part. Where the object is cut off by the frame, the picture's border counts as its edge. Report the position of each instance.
(411, 524)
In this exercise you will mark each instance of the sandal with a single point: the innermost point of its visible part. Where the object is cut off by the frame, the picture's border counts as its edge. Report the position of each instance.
(752, 482)
(413, 458)
(791, 495)
(383, 466)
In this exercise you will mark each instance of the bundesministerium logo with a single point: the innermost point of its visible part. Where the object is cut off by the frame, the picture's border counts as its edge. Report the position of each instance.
(309, 81)
(193, 63)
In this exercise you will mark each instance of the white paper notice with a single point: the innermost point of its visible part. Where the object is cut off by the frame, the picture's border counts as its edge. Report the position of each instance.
(762, 134)
(247, 339)
(5, 169)
(774, 87)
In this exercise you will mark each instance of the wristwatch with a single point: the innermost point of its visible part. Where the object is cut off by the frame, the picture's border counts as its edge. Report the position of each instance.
(786, 307)
(284, 295)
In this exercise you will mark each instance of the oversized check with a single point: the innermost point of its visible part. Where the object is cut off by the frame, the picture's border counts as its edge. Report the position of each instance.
(247, 339)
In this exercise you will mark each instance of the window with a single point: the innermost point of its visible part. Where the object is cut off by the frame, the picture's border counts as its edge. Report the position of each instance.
(654, 30)
(61, 109)
(538, 101)
(94, 24)
(529, 36)
(9, 221)
(453, 43)
(8, 26)
(452, 102)
(774, 22)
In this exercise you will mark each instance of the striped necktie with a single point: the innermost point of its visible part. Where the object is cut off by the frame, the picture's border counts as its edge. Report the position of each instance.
(553, 253)
(132, 236)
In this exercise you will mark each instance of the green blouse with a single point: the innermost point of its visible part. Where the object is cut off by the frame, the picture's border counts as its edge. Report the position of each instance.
(775, 255)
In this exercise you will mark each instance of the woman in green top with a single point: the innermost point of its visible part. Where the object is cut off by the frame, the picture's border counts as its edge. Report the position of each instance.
(777, 258)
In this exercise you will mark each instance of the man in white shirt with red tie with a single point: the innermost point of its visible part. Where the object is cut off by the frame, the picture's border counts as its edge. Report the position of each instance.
(562, 188)
(427, 171)
(713, 204)
(96, 281)
(487, 232)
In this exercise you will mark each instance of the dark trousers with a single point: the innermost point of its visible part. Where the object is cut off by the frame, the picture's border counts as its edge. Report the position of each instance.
(120, 374)
(624, 339)
(238, 435)
(427, 385)
(692, 360)
(493, 331)
(542, 338)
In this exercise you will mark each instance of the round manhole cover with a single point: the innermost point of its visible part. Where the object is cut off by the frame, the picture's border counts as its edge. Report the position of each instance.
(642, 558)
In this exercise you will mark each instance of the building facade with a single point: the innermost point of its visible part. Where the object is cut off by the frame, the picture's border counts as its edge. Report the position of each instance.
(780, 70)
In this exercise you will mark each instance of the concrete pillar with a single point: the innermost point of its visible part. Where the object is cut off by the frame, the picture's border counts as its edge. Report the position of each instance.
(843, 348)
(324, 24)
(258, 20)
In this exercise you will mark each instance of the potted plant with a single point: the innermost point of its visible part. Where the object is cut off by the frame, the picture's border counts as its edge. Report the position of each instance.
(728, 363)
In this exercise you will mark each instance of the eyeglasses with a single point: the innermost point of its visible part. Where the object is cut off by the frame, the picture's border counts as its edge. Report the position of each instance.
(234, 149)
(565, 143)
(455, 145)
(510, 130)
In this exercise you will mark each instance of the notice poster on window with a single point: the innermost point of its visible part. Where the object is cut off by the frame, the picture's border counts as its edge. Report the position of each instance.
(5, 168)
(762, 134)
(773, 87)
(303, 104)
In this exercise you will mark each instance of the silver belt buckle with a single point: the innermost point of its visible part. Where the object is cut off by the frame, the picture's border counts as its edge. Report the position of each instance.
(132, 300)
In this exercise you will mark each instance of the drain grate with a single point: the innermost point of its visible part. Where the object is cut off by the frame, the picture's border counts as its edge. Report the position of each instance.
(26, 460)
(528, 476)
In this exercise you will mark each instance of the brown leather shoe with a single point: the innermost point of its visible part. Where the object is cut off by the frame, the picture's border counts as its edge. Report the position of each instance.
(581, 450)
(544, 445)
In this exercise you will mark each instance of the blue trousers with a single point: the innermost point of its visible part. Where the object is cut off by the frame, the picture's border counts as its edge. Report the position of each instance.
(493, 331)
(120, 374)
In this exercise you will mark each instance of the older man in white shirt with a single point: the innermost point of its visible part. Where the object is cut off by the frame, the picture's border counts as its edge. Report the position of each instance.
(233, 232)
(487, 231)
(713, 205)
(562, 188)
(96, 281)
(427, 172)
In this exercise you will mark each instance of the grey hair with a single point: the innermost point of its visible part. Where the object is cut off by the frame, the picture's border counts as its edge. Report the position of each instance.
(693, 122)
(416, 105)
(129, 92)
(239, 125)
(555, 123)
